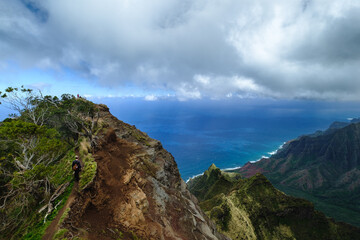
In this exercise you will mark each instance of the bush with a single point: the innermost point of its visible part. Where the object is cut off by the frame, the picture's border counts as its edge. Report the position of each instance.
(89, 165)
(60, 234)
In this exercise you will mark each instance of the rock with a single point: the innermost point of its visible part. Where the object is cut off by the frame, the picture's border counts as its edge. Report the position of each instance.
(137, 191)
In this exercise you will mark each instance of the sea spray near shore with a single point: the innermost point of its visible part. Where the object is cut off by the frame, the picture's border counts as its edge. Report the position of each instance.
(277, 150)
(258, 159)
(197, 175)
(235, 168)
(270, 154)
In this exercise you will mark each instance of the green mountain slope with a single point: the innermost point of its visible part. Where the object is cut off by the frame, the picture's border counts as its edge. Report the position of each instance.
(253, 209)
(37, 147)
(129, 187)
(323, 168)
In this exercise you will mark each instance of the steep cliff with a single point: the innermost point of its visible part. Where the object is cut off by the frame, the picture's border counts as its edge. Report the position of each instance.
(253, 209)
(324, 168)
(137, 192)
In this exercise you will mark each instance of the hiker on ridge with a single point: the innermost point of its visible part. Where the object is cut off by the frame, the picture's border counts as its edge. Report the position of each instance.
(76, 166)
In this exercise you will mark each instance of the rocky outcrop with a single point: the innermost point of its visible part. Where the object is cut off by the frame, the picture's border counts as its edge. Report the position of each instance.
(137, 191)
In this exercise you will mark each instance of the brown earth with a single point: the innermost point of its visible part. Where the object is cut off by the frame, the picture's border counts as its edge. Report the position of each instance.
(250, 169)
(53, 227)
(137, 192)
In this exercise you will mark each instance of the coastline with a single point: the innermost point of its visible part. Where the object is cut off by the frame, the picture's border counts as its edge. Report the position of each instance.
(235, 168)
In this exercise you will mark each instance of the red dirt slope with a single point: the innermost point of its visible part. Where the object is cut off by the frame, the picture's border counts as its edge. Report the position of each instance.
(137, 191)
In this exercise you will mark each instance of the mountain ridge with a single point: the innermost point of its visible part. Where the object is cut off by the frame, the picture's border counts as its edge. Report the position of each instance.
(136, 177)
(253, 208)
(129, 188)
(325, 165)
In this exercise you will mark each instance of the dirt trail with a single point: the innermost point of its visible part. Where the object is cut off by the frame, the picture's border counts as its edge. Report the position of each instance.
(113, 162)
(137, 193)
(99, 204)
(51, 230)
(53, 227)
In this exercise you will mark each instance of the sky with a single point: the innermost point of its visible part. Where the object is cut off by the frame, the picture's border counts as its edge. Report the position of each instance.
(183, 49)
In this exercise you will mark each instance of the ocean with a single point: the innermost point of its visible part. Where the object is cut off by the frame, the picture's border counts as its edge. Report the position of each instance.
(228, 133)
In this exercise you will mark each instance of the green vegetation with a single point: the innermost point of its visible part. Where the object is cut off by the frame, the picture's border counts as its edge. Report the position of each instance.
(138, 135)
(326, 205)
(212, 183)
(134, 237)
(253, 209)
(90, 166)
(64, 216)
(36, 151)
(149, 167)
(323, 168)
(222, 214)
(35, 228)
(120, 234)
(59, 235)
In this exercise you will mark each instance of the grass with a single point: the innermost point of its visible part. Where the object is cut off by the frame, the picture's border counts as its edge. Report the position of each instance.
(149, 167)
(89, 169)
(36, 227)
(65, 215)
(253, 209)
(222, 214)
(120, 234)
(211, 183)
(134, 237)
(59, 235)
(138, 135)
(61, 232)
(339, 213)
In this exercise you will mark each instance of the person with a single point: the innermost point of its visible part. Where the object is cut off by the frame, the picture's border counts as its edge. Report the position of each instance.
(76, 168)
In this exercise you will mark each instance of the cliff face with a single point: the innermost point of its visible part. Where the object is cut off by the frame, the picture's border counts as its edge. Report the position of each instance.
(326, 166)
(137, 192)
(253, 209)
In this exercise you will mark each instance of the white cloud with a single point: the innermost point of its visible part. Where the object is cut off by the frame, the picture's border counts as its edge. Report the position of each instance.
(300, 48)
(246, 85)
(40, 86)
(204, 80)
(151, 98)
(187, 91)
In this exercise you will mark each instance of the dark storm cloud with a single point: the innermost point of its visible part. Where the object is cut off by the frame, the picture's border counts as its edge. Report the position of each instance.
(40, 13)
(291, 49)
(337, 42)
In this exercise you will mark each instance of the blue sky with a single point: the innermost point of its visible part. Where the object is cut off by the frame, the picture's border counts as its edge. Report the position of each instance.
(55, 82)
(190, 49)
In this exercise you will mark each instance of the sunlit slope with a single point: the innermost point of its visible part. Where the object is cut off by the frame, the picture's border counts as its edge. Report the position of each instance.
(253, 209)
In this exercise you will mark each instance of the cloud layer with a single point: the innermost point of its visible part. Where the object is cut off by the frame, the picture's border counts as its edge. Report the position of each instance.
(197, 48)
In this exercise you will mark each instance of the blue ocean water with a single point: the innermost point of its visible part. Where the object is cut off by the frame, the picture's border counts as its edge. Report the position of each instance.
(228, 133)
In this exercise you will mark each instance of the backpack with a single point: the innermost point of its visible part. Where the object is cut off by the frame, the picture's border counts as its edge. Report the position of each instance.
(75, 167)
